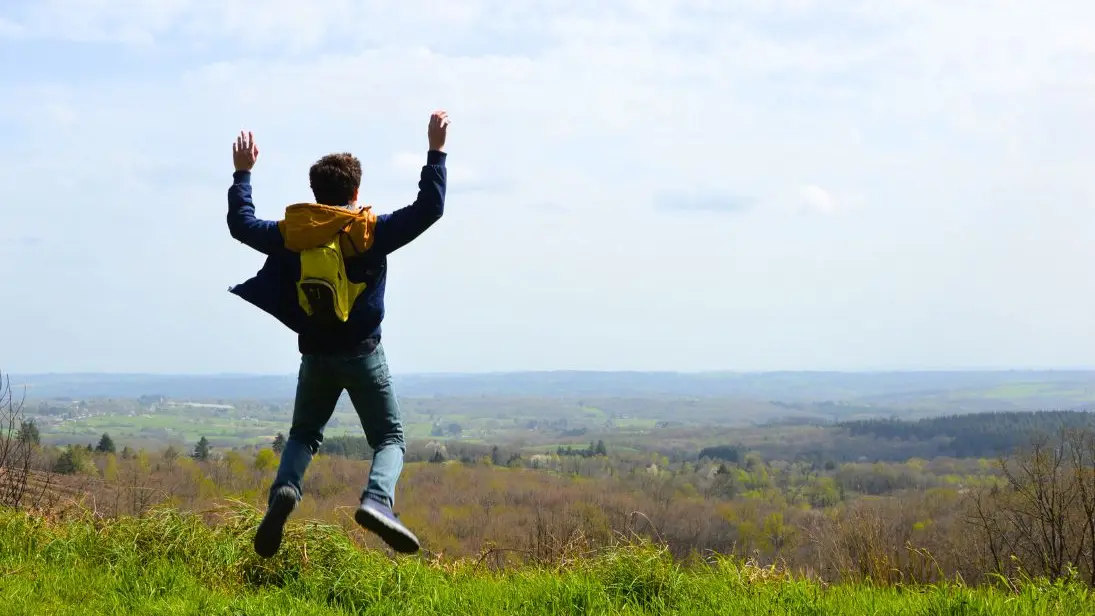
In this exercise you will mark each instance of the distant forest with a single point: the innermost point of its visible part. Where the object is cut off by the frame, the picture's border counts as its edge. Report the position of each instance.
(974, 435)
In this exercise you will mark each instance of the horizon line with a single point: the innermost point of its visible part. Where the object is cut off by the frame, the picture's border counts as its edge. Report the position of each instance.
(488, 373)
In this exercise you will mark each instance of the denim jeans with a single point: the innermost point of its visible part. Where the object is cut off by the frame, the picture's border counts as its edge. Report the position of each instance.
(320, 383)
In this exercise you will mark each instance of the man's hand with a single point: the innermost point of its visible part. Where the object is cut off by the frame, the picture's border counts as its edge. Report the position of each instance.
(245, 152)
(438, 130)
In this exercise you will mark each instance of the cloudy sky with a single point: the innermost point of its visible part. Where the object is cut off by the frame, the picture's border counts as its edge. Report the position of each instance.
(634, 184)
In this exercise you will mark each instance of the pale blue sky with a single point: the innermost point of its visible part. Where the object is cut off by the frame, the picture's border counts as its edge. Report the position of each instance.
(646, 184)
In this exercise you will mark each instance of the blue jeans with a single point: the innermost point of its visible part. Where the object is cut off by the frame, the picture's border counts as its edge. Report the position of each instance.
(319, 386)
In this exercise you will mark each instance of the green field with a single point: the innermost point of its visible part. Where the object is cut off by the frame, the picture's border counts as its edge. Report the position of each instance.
(171, 563)
(481, 421)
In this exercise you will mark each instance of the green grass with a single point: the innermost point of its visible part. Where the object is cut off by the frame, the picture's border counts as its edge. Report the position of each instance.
(172, 563)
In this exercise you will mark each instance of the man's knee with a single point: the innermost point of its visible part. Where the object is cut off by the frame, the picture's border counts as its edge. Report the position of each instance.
(388, 438)
(310, 439)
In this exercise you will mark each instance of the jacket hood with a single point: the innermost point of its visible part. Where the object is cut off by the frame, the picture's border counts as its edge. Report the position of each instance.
(308, 225)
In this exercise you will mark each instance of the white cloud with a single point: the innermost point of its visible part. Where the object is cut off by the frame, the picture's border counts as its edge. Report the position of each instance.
(814, 199)
(951, 133)
(818, 199)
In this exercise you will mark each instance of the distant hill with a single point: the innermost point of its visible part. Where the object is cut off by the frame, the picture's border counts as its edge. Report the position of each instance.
(988, 390)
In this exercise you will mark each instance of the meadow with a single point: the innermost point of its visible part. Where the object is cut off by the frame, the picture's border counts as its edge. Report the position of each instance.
(167, 562)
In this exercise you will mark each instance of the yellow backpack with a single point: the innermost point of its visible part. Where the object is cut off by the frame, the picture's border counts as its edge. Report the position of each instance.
(324, 291)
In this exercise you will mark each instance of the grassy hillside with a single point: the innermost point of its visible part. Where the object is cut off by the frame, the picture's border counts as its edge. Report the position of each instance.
(171, 563)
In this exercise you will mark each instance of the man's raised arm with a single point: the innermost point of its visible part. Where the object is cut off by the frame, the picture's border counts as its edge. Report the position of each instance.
(262, 235)
(395, 230)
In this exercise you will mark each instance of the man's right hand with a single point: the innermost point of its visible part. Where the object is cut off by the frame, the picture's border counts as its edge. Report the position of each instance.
(245, 152)
(438, 130)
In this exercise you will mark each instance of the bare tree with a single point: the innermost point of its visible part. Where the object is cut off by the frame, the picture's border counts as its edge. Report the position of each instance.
(1082, 447)
(1041, 518)
(20, 485)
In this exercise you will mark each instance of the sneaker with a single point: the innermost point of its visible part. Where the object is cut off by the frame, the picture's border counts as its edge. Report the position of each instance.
(376, 516)
(268, 537)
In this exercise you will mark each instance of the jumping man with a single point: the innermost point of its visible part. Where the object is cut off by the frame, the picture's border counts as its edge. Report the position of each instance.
(324, 278)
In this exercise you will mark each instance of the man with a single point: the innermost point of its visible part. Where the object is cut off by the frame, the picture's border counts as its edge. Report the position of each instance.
(324, 278)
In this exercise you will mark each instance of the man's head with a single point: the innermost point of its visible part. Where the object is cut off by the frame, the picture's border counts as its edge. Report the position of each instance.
(335, 179)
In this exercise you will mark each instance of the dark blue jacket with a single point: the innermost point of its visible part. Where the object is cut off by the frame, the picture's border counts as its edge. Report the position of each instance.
(273, 288)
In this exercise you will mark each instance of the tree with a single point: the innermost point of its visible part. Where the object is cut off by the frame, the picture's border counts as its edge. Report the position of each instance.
(106, 444)
(265, 461)
(495, 456)
(1041, 518)
(73, 460)
(279, 443)
(202, 450)
(18, 440)
(722, 453)
(28, 433)
(110, 467)
(140, 484)
(600, 449)
(127, 453)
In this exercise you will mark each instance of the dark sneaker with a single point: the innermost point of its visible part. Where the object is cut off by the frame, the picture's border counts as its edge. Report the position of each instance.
(268, 537)
(377, 516)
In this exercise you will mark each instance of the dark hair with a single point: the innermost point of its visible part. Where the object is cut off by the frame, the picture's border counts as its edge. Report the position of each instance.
(335, 178)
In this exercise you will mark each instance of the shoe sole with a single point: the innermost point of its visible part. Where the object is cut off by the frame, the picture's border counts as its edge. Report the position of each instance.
(398, 537)
(268, 536)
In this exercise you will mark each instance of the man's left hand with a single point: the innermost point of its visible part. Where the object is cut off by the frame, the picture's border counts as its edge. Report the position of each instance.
(245, 152)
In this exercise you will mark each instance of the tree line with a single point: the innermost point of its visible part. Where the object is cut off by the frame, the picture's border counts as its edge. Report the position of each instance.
(975, 434)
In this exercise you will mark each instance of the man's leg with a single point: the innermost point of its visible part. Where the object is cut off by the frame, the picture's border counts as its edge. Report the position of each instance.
(370, 387)
(318, 390)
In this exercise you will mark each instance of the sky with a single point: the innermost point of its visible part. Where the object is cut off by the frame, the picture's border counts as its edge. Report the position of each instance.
(634, 185)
